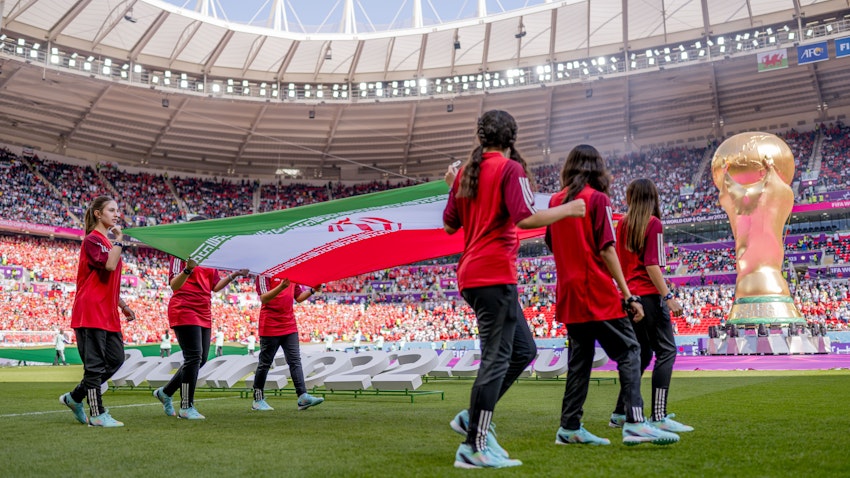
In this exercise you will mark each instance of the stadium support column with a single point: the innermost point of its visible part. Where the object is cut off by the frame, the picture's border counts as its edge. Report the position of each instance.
(87, 113)
(247, 139)
(547, 145)
(410, 122)
(822, 106)
(331, 134)
(628, 136)
(717, 124)
(165, 130)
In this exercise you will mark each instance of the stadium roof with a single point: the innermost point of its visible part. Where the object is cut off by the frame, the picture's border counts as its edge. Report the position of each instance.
(166, 36)
(76, 112)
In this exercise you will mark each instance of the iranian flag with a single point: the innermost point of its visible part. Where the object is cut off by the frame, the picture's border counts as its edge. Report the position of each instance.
(326, 241)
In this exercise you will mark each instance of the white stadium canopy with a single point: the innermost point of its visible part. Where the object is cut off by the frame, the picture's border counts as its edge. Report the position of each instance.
(151, 84)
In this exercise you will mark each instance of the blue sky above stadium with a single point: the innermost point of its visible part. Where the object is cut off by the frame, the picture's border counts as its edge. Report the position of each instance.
(371, 15)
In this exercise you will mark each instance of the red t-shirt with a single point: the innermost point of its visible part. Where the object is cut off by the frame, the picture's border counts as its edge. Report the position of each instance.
(634, 263)
(190, 305)
(490, 240)
(277, 316)
(96, 299)
(585, 290)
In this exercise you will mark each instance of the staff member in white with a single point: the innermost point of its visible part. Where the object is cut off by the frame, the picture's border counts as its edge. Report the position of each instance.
(252, 343)
(59, 342)
(219, 343)
(165, 345)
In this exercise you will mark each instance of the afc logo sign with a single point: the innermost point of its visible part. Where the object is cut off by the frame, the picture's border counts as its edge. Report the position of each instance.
(812, 53)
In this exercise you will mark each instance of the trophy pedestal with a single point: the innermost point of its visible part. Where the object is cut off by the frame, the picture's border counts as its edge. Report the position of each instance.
(766, 309)
(772, 344)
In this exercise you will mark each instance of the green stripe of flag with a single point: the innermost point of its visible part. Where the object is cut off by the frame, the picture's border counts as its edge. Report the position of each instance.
(184, 240)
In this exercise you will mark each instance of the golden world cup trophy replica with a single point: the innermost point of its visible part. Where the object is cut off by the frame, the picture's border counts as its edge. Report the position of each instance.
(753, 172)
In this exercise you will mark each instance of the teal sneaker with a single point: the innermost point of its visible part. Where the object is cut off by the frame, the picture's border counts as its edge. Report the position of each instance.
(669, 425)
(460, 424)
(261, 405)
(105, 420)
(167, 405)
(76, 408)
(306, 401)
(467, 458)
(190, 414)
(617, 420)
(580, 436)
(644, 432)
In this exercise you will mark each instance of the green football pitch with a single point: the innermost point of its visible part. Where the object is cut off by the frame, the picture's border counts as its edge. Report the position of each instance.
(765, 424)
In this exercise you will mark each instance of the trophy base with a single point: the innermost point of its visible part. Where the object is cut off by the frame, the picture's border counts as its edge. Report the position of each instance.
(774, 344)
(765, 309)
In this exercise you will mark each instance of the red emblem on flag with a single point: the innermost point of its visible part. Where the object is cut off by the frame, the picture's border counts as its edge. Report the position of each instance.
(365, 224)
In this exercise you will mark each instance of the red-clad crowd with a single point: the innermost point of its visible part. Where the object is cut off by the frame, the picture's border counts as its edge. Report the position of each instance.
(361, 304)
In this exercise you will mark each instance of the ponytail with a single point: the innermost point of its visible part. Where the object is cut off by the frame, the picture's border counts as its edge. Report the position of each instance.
(97, 204)
(471, 171)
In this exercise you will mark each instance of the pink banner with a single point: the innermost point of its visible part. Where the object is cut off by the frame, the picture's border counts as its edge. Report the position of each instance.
(822, 206)
(18, 226)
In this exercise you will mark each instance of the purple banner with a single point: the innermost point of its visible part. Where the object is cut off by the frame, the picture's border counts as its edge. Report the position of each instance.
(837, 271)
(18, 226)
(822, 206)
(835, 195)
(804, 257)
(448, 283)
(381, 285)
(694, 219)
(11, 272)
(832, 200)
(546, 276)
(40, 287)
(129, 281)
(728, 278)
(708, 246)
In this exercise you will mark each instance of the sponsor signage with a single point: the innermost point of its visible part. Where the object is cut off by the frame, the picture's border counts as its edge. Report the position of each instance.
(812, 53)
(695, 219)
(836, 195)
(809, 176)
(773, 60)
(842, 47)
(17, 226)
(804, 257)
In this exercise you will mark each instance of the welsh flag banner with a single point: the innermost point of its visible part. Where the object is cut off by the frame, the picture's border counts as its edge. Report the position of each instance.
(323, 242)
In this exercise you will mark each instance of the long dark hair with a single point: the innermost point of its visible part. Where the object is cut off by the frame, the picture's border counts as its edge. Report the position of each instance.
(642, 200)
(584, 167)
(97, 204)
(496, 129)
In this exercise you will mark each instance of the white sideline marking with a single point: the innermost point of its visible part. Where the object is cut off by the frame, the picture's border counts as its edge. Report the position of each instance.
(132, 405)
